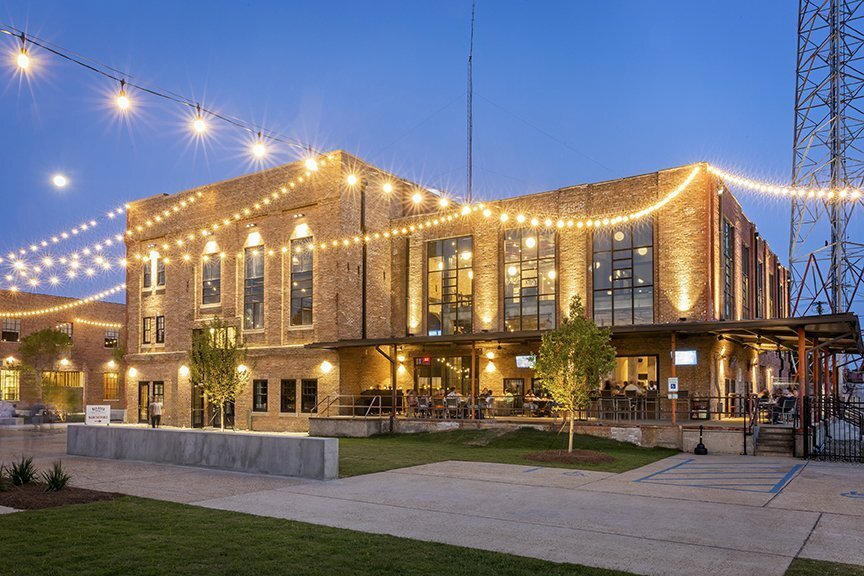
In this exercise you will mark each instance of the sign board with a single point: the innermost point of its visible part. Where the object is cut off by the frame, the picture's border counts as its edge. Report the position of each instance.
(98, 415)
(673, 384)
(685, 358)
(672, 396)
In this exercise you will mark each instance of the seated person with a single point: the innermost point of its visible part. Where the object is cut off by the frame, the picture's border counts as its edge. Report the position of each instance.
(632, 387)
(530, 404)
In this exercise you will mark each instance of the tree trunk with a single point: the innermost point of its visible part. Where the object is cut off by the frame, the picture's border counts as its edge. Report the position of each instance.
(570, 442)
(222, 416)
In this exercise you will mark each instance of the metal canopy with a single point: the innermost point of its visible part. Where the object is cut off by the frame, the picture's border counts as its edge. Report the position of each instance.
(839, 333)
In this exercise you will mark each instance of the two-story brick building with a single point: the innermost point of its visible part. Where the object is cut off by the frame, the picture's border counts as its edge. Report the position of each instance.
(328, 268)
(91, 373)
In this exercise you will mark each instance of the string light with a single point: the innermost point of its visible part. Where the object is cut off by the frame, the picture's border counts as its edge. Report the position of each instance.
(259, 149)
(843, 194)
(23, 58)
(123, 101)
(199, 125)
(67, 306)
(60, 180)
(98, 323)
(351, 179)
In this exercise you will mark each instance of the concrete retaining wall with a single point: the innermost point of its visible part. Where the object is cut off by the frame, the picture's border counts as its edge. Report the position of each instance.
(316, 458)
(716, 440)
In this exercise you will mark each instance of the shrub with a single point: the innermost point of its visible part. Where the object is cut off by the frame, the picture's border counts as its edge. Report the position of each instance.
(23, 471)
(56, 479)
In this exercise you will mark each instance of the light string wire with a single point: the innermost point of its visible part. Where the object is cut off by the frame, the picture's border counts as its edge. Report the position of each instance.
(62, 307)
(803, 192)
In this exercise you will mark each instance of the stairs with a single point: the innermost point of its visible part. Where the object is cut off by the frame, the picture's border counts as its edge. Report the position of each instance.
(775, 441)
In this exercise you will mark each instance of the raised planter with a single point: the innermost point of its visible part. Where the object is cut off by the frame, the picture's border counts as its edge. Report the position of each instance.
(306, 457)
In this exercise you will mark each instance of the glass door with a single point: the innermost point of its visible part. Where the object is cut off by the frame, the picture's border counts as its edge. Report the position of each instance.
(143, 402)
(197, 407)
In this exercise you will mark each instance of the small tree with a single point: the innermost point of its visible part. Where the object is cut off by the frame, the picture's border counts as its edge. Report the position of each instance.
(216, 364)
(40, 352)
(572, 360)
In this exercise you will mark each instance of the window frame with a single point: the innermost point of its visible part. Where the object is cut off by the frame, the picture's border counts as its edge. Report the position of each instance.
(461, 305)
(300, 246)
(108, 339)
(252, 286)
(522, 282)
(312, 409)
(147, 330)
(7, 375)
(745, 281)
(288, 384)
(108, 385)
(160, 273)
(11, 326)
(728, 270)
(160, 329)
(617, 259)
(259, 395)
(208, 261)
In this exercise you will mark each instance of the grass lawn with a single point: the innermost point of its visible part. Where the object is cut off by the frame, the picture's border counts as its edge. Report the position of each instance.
(801, 567)
(378, 453)
(138, 537)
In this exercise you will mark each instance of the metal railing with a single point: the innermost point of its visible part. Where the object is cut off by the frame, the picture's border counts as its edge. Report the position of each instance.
(833, 428)
(353, 406)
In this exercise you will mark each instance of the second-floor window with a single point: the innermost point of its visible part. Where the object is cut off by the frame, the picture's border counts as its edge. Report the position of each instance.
(160, 273)
(148, 274)
(147, 330)
(11, 330)
(160, 329)
(623, 270)
(450, 276)
(65, 328)
(301, 282)
(728, 271)
(772, 294)
(253, 289)
(211, 275)
(760, 289)
(111, 337)
(529, 279)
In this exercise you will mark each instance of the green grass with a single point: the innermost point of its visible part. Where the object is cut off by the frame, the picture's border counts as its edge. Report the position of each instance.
(801, 567)
(138, 537)
(386, 452)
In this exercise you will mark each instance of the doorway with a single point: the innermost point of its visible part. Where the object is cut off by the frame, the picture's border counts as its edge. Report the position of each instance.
(197, 407)
(143, 402)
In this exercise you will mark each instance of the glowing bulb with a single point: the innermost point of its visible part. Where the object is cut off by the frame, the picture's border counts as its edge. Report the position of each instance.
(199, 124)
(443, 202)
(60, 181)
(351, 179)
(417, 198)
(388, 187)
(123, 101)
(184, 371)
(23, 59)
(326, 367)
(242, 368)
(311, 164)
(520, 218)
(259, 150)
(552, 274)
(64, 362)
(133, 372)
(530, 242)
(512, 271)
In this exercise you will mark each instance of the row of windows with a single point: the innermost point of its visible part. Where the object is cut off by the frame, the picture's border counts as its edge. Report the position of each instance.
(11, 332)
(10, 383)
(301, 286)
(776, 298)
(287, 395)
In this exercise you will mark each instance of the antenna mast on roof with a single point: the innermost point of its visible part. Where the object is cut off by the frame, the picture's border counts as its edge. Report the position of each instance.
(471, 108)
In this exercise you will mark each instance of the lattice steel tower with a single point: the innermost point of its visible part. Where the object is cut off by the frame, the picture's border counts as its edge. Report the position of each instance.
(829, 152)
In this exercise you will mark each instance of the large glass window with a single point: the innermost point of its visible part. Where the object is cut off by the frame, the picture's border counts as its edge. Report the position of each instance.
(259, 395)
(728, 271)
(147, 330)
(301, 282)
(211, 277)
(110, 386)
(449, 284)
(745, 282)
(160, 329)
(10, 385)
(439, 375)
(529, 279)
(253, 308)
(632, 374)
(63, 379)
(11, 330)
(772, 294)
(624, 275)
(288, 396)
(760, 289)
(308, 395)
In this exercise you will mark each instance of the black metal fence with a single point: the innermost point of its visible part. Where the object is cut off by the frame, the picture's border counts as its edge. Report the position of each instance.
(833, 429)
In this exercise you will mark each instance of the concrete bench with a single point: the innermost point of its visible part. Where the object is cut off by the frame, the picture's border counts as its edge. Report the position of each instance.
(305, 457)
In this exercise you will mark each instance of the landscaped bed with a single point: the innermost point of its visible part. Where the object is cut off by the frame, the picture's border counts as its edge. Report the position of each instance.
(520, 446)
(35, 497)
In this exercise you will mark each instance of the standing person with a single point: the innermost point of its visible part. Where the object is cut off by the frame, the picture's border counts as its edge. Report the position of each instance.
(155, 413)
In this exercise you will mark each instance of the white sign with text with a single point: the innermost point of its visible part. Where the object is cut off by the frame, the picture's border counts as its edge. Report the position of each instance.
(98, 415)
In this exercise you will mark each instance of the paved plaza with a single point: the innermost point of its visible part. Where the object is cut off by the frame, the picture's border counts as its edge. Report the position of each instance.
(682, 515)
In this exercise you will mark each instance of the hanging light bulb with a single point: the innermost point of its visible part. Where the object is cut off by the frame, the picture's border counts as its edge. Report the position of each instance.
(351, 179)
(259, 149)
(123, 101)
(199, 124)
(23, 59)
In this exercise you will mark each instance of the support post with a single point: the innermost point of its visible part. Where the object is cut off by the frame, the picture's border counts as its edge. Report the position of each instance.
(363, 265)
(672, 372)
(392, 388)
(474, 375)
(802, 375)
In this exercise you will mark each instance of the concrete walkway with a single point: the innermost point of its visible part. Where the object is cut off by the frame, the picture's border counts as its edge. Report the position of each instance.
(720, 515)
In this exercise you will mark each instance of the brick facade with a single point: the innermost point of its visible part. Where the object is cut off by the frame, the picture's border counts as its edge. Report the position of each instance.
(88, 361)
(687, 278)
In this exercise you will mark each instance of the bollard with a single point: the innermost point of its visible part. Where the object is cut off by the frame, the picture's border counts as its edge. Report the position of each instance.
(700, 448)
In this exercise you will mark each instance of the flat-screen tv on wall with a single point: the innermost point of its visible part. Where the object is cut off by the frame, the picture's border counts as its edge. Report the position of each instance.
(685, 358)
(525, 361)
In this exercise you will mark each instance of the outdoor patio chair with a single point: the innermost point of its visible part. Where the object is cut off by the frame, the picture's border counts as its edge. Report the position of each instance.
(452, 405)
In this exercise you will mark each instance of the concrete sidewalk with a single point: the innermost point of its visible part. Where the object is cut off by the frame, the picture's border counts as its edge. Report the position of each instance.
(722, 515)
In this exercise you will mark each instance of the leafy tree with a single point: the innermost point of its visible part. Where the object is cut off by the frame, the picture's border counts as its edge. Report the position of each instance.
(572, 360)
(40, 352)
(216, 364)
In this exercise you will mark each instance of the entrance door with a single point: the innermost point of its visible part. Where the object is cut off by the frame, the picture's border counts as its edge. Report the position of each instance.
(197, 407)
(143, 402)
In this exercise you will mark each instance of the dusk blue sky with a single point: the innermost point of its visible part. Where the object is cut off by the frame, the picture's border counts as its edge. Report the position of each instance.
(565, 93)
